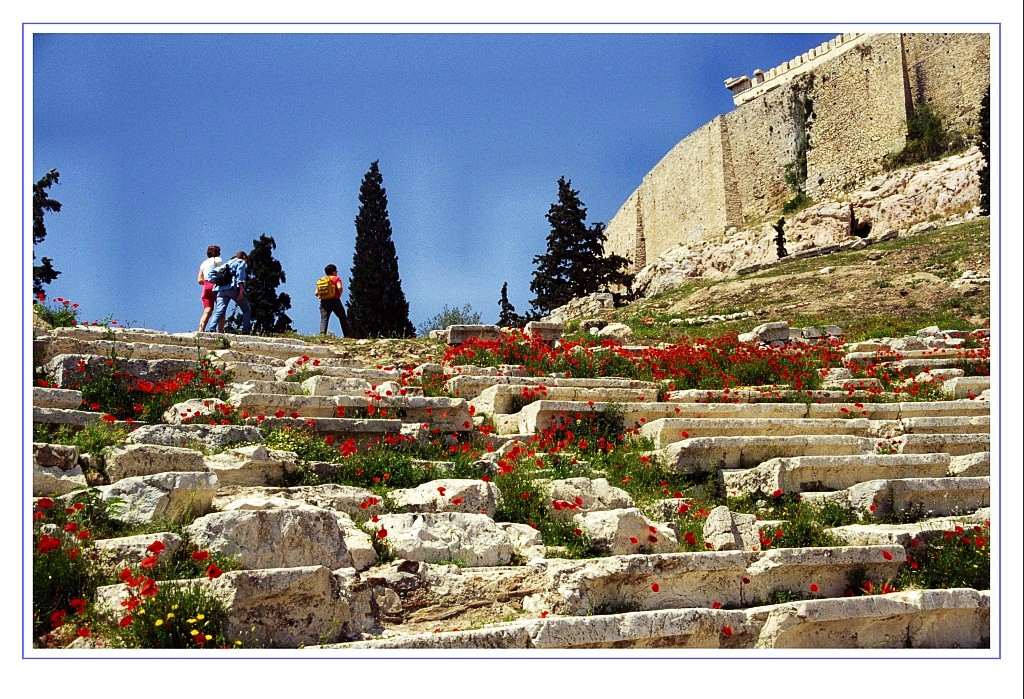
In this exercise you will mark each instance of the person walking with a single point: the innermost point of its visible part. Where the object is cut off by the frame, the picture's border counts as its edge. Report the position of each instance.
(328, 290)
(233, 290)
(208, 297)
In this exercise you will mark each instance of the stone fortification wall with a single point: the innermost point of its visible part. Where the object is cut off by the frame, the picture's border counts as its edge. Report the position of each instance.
(860, 115)
(949, 72)
(762, 139)
(684, 193)
(831, 121)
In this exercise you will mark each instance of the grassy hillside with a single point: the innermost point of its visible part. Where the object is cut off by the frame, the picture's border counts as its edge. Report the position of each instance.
(891, 288)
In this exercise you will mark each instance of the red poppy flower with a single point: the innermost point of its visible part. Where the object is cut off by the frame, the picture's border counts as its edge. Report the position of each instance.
(655, 587)
(200, 555)
(634, 540)
(886, 555)
(814, 588)
(78, 604)
(690, 539)
(716, 605)
(148, 562)
(48, 543)
(577, 531)
(58, 617)
(382, 533)
(125, 621)
(156, 547)
(746, 581)
(213, 571)
(71, 527)
(456, 501)
(777, 493)
(84, 632)
(544, 614)
(44, 503)
(727, 630)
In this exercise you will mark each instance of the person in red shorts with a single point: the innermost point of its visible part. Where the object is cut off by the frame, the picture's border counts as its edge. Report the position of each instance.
(208, 296)
(332, 304)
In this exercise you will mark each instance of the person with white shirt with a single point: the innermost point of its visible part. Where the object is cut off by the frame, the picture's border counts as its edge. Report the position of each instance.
(208, 297)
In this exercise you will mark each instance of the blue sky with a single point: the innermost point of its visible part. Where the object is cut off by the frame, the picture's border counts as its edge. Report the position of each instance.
(169, 142)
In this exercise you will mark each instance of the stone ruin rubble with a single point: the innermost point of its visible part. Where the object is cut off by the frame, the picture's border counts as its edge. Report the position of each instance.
(309, 575)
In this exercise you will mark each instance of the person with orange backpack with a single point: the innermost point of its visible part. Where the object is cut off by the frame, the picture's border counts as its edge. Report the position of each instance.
(328, 290)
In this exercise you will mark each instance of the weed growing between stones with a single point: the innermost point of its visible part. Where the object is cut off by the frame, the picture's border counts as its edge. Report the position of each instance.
(960, 557)
(63, 578)
(522, 501)
(805, 523)
(377, 466)
(57, 313)
(93, 438)
(121, 396)
(304, 368)
(178, 615)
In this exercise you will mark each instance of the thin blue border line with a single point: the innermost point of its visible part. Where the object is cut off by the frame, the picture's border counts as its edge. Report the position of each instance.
(999, 33)
(999, 296)
(23, 500)
(513, 23)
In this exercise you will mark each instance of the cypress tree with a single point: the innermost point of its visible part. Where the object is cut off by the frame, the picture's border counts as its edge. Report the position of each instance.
(574, 264)
(376, 304)
(43, 273)
(508, 318)
(265, 275)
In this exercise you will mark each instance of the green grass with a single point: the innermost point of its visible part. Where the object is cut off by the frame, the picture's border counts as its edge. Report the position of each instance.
(93, 438)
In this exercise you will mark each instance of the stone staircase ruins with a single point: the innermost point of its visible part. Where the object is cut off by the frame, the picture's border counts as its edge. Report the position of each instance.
(309, 575)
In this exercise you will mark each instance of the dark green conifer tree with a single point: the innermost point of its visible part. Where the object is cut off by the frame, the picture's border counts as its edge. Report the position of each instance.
(265, 275)
(43, 273)
(574, 264)
(376, 303)
(508, 318)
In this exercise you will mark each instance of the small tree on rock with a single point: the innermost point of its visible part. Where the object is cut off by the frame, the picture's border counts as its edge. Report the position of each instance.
(265, 275)
(376, 305)
(43, 273)
(574, 264)
(507, 317)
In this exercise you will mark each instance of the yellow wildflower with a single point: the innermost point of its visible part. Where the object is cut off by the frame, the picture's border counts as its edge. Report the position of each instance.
(158, 622)
(193, 632)
(200, 617)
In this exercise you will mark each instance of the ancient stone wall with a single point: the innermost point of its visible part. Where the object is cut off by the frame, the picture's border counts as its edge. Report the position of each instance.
(949, 72)
(762, 140)
(831, 121)
(860, 115)
(684, 193)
